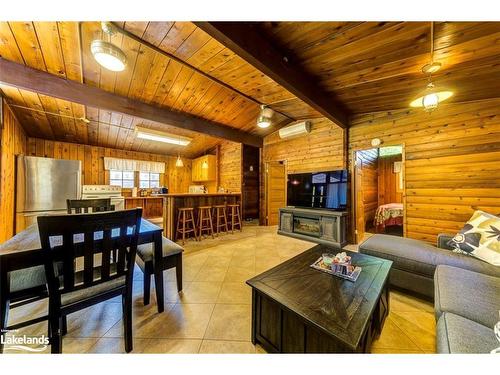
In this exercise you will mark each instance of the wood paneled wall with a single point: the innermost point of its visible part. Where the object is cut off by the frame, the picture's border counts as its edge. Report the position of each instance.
(320, 150)
(388, 181)
(92, 157)
(13, 142)
(369, 184)
(452, 161)
(230, 162)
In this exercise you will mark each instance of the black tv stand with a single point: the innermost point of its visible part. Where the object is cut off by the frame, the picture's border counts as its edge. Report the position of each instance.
(316, 225)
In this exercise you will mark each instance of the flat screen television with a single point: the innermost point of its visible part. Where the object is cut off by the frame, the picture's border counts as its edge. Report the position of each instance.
(326, 190)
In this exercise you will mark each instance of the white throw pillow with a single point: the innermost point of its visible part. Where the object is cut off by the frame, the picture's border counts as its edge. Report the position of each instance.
(480, 237)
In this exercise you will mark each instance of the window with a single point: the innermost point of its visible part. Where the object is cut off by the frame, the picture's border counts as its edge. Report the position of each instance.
(149, 180)
(390, 150)
(125, 179)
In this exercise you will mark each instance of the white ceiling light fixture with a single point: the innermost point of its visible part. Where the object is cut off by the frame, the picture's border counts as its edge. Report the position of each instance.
(265, 117)
(430, 98)
(157, 136)
(107, 54)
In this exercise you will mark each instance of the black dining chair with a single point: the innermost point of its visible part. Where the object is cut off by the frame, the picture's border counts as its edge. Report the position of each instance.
(70, 240)
(21, 287)
(79, 206)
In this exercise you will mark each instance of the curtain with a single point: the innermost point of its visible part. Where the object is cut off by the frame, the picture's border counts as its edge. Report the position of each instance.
(133, 165)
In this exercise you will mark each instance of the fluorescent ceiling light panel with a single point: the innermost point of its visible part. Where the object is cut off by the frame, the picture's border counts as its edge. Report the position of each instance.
(154, 135)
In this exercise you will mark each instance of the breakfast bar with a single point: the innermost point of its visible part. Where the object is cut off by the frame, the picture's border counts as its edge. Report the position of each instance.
(172, 202)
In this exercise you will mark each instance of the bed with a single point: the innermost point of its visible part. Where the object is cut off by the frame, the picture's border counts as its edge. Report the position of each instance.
(388, 215)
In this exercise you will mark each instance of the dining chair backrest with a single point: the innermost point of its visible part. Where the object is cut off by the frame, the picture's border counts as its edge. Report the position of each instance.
(69, 240)
(80, 206)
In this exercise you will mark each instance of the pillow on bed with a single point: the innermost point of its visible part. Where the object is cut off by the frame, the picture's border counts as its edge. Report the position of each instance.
(480, 237)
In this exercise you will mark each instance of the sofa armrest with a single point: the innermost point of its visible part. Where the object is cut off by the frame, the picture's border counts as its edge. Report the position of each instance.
(442, 241)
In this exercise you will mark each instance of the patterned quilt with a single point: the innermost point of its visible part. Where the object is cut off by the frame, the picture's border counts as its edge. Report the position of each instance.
(388, 214)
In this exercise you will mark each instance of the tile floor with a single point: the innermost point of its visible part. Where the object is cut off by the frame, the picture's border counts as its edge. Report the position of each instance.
(213, 313)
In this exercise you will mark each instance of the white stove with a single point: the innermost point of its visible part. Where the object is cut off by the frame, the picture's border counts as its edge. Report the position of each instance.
(105, 191)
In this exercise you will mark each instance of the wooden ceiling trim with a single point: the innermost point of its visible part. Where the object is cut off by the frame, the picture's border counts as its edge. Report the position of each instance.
(155, 32)
(20, 76)
(376, 66)
(296, 33)
(10, 49)
(50, 43)
(177, 34)
(162, 49)
(71, 45)
(247, 41)
(27, 42)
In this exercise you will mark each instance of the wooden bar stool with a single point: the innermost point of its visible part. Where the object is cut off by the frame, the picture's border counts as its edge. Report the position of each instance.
(234, 216)
(185, 223)
(220, 219)
(205, 221)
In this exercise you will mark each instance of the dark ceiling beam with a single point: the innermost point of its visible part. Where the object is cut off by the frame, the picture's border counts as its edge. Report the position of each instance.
(26, 78)
(247, 41)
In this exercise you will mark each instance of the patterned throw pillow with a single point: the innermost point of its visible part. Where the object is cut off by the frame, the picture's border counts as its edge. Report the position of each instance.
(480, 237)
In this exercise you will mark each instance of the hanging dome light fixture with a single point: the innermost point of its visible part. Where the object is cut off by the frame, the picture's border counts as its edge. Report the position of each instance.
(430, 98)
(179, 163)
(265, 117)
(107, 54)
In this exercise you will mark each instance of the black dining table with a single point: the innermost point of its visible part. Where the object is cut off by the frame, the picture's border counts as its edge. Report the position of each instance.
(24, 251)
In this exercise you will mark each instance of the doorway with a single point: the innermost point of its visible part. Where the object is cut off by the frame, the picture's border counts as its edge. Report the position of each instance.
(250, 184)
(378, 192)
(275, 188)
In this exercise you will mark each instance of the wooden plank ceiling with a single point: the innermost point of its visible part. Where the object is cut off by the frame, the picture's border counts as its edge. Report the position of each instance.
(368, 66)
(376, 66)
(60, 48)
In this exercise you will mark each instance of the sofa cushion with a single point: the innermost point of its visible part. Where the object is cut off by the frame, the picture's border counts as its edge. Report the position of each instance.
(145, 251)
(418, 257)
(469, 294)
(456, 334)
(480, 237)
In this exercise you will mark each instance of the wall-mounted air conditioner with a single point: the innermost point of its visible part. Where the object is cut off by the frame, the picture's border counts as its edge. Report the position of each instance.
(294, 130)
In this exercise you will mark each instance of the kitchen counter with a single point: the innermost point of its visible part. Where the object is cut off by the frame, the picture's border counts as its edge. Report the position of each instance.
(198, 194)
(152, 206)
(172, 203)
(147, 197)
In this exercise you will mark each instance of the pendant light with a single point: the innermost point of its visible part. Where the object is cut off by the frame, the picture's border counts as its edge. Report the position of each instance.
(179, 163)
(107, 54)
(265, 117)
(430, 98)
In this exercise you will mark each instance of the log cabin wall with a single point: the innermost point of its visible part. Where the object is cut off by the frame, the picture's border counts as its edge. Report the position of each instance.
(321, 150)
(230, 164)
(92, 158)
(388, 181)
(452, 161)
(13, 142)
(369, 185)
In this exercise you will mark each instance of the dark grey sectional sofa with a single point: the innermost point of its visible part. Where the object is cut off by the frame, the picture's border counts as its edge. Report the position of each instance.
(466, 291)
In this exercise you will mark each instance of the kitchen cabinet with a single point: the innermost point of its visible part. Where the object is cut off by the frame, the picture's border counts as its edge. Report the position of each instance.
(199, 173)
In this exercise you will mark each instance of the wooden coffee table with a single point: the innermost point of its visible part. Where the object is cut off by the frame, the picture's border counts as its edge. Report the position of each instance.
(297, 309)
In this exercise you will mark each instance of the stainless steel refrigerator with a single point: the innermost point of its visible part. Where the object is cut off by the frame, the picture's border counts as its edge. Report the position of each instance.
(43, 185)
